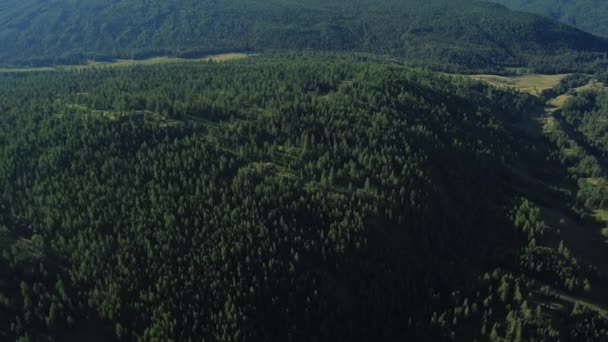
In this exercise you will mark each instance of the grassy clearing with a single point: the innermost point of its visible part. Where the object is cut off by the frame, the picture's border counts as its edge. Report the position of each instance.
(591, 85)
(132, 62)
(597, 181)
(226, 57)
(13, 70)
(601, 215)
(533, 84)
(550, 124)
(558, 102)
(164, 60)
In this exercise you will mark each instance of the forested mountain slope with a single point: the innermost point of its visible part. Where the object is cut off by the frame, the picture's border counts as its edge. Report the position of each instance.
(588, 15)
(282, 199)
(457, 33)
(272, 201)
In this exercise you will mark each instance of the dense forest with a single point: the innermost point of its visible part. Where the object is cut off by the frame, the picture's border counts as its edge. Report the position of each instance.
(587, 15)
(450, 35)
(281, 198)
(303, 170)
(586, 152)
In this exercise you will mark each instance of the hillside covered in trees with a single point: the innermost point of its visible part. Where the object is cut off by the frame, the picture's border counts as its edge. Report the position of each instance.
(588, 15)
(325, 171)
(284, 198)
(456, 34)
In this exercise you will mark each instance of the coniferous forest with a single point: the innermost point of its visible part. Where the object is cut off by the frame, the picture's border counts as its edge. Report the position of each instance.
(588, 15)
(302, 192)
(271, 199)
(452, 35)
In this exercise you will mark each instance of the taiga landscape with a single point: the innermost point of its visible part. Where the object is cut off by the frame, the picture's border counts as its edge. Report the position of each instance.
(303, 170)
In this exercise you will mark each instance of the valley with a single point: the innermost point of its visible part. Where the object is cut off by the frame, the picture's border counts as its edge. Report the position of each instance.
(585, 238)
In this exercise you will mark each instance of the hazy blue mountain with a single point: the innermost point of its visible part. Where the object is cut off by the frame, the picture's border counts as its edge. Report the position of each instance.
(588, 15)
(439, 32)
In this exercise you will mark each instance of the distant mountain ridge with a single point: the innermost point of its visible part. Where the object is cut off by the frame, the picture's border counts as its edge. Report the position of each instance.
(588, 15)
(459, 33)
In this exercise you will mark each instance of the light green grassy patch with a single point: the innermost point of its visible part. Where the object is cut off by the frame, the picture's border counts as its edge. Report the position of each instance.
(132, 62)
(164, 60)
(226, 57)
(596, 181)
(533, 84)
(593, 85)
(550, 124)
(12, 70)
(558, 102)
(572, 152)
(536, 82)
(602, 216)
